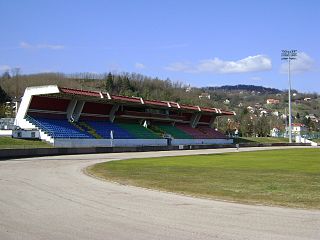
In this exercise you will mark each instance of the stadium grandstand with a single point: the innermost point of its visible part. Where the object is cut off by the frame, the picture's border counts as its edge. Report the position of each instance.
(79, 118)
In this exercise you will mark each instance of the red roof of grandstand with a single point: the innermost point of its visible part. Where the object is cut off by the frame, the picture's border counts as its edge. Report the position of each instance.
(80, 92)
(137, 100)
(126, 99)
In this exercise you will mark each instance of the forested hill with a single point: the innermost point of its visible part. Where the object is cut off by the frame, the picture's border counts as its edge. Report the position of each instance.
(249, 88)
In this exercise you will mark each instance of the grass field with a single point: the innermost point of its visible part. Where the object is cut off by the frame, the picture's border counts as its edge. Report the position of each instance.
(275, 177)
(8, 142)
(316, 140)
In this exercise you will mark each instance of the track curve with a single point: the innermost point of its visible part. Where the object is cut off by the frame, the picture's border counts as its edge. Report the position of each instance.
(51, 198)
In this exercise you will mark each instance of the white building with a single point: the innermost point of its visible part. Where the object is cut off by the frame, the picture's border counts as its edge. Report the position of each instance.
(273, 101)
(205, 96)
(227, 101)
(263, 113)
(274, 132)
(298, 129)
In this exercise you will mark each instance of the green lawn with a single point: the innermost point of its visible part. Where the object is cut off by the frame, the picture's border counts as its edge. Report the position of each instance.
(8, 142)
(261, 140)
(316, 140)
(274, 177)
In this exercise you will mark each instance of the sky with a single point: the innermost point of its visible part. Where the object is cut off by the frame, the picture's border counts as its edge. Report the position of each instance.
(197, 42)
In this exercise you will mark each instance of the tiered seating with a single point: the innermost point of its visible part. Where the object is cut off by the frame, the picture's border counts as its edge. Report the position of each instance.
(139, 131)
(184, 131)
(174, 132)
(212, 133)
(61, 128)
(103, 128)
(195, 133)
(58, 128)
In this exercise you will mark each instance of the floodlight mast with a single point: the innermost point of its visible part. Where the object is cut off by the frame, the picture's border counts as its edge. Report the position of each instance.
(289, 55)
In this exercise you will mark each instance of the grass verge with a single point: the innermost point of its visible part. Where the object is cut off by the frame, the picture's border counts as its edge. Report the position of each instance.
(9, 143)
(276, 177)
(316, 140)
(260, 140)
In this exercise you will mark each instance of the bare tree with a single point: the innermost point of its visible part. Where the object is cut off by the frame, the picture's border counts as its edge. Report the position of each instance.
(15, 72)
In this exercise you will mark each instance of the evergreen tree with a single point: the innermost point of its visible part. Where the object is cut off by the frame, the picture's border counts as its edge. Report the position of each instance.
(125, 84)
(109, 83)
(4, 97)
(6, 75)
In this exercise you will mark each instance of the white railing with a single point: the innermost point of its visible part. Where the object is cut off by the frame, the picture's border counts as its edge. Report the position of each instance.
(300, 139)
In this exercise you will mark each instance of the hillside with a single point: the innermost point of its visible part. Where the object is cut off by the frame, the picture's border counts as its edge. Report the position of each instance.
(254, 115)
(248, 88)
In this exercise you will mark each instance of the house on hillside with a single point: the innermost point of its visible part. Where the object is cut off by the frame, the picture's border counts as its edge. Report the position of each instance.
(283, 116)
(227, 101)
(273, 101)
(307, 99)
(312, 117)
(298, 129)
(250, 109)
(204, 96)
(263, 113)
(275, 132)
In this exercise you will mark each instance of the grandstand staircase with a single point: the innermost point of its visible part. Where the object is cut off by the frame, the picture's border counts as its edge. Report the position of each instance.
(43, 135)
(86, 128)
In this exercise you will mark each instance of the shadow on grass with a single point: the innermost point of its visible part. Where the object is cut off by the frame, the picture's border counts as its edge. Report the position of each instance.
(242, 140)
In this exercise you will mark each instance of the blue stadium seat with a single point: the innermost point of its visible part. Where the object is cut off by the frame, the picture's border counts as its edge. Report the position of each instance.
(103, 128)
(58, 128)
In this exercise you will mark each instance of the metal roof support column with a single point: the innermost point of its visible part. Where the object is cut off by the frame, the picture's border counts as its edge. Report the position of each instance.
(70, 109)
(78, 110)
(112, 114)
(213, 118)
(195, 119)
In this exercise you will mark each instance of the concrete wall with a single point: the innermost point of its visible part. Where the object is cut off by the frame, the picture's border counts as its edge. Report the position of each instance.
(300, 139)
(200, 141)
(109, 142)
(6, 133)
(36, 152)
(33, 134)
(135, 142)
(26, 100)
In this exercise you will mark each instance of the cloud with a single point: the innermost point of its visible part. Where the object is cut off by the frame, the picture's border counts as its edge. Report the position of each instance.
(302, 63)
(4, 68)
(249, 64)
(26, 45)
(139, 65)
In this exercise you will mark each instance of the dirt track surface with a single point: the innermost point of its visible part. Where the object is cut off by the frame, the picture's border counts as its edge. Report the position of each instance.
(51, 198)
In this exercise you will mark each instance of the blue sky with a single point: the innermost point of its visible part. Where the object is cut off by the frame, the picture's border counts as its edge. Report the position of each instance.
(202, 43)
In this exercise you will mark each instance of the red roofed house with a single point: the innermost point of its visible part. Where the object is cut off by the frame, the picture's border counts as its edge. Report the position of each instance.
(298, 128)
(273, 101)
